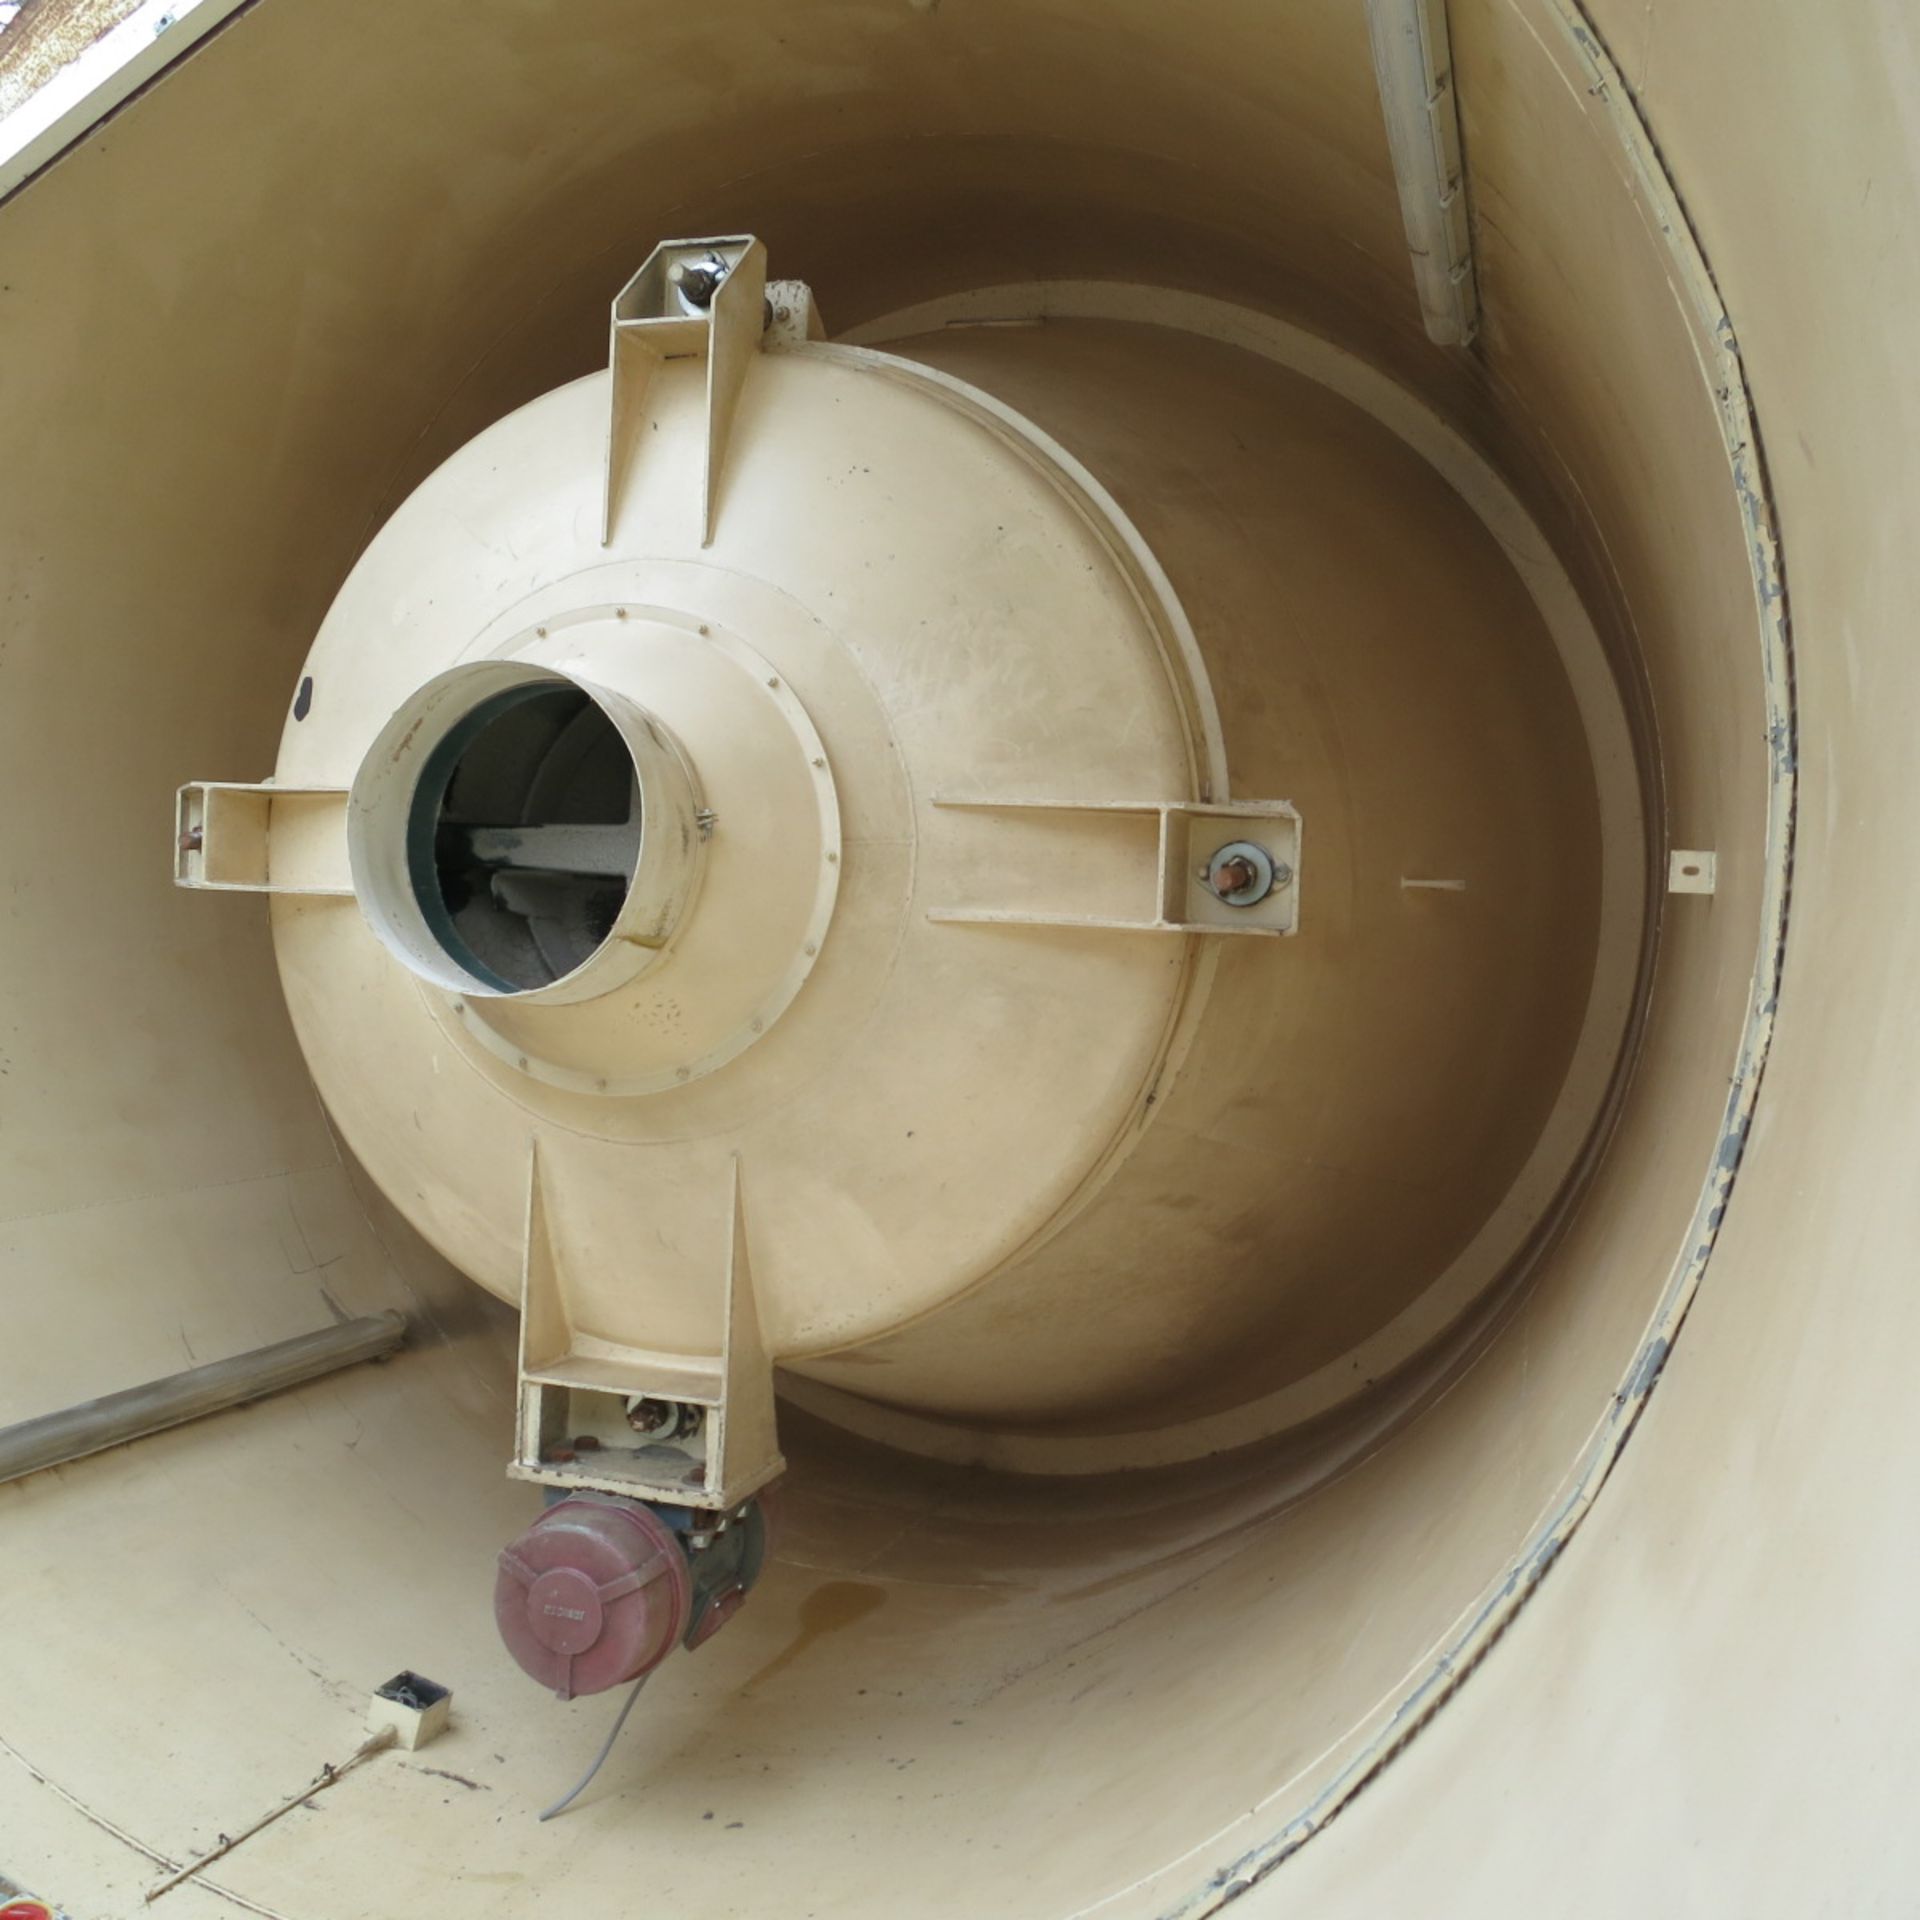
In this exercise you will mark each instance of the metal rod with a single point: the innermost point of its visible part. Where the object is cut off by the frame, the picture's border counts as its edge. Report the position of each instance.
(376, 1743)
(54, 1438)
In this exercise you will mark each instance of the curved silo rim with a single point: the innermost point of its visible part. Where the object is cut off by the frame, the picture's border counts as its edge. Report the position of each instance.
(1501, 1603)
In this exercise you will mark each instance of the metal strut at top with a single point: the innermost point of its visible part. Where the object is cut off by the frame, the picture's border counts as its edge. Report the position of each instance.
(1413, 63)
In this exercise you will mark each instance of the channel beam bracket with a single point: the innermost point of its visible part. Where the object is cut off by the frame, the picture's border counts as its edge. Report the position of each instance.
(1129, 866)
(233, 838)
(576, 1385)
(694, 301)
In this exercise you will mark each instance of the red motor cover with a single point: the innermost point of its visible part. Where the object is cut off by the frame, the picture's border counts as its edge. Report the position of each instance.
(592, 1594)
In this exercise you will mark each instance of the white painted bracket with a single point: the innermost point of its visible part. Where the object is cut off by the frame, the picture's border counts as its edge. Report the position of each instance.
(1689, 871)
(233, 838)
(1131, 866)
(575, 1385)
(794, 319)
(657, 321)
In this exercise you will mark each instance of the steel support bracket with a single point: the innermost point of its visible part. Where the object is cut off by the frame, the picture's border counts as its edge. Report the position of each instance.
(1130, 866)
(702, 302)
(233, 838)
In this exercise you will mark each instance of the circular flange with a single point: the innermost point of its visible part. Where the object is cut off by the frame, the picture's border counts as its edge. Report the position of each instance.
(768, 890)
(397, 818)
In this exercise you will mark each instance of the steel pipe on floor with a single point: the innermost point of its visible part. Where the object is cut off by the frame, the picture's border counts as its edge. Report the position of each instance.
(52, 1439)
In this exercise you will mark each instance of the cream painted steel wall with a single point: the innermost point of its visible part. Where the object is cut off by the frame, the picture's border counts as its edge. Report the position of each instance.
(247, 340)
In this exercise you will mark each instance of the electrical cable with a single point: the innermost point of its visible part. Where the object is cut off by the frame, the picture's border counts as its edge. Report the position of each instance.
(586, 1779)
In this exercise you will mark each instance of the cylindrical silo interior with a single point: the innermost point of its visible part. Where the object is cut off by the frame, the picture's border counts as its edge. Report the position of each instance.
(1446, 1345)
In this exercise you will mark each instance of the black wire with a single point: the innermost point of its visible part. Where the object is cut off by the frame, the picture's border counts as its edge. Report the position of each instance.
(586, 1779)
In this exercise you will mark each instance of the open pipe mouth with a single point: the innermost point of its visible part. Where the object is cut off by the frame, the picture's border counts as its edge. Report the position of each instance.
(524, 834)
(512, 834)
